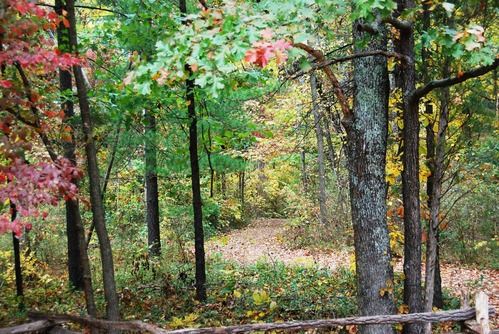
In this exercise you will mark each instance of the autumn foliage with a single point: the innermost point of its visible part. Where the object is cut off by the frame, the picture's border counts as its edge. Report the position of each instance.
(28, 57)
(263, 51)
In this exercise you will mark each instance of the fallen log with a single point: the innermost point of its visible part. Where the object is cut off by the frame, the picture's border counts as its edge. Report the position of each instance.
(454, 315)
(40, 325)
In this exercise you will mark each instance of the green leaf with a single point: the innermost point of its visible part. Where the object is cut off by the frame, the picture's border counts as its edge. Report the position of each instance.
(305, 65)
(201, 80)
(301, 37)
(144, 88)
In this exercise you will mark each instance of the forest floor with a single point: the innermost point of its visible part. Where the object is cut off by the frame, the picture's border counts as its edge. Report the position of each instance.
(262, 240)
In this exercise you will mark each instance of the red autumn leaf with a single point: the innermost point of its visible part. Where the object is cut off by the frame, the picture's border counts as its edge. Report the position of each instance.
(260, 55)
(20, 6)
(6, 83)
(52, 16)
(39, 12)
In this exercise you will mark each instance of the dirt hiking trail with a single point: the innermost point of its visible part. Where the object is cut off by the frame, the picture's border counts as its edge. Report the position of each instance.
(261, 240)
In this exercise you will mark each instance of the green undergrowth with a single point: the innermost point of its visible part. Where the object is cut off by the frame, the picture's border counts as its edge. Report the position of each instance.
(162, 292)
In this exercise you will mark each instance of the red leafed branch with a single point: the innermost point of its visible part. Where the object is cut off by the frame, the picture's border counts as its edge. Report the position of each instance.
(263, 51)
(26, 51)
(29, 186)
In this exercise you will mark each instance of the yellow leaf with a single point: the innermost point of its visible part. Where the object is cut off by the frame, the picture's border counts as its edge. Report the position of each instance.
(260, 297)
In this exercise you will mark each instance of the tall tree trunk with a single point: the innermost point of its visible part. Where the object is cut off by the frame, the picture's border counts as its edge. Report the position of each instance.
(196, 186)
(406, 80)
(320, 149)
(75, 269)
(196, 196)
(366, 155)
(152, 203)
(94, 177)
(108, 174)
(436, 179)
(436, 280)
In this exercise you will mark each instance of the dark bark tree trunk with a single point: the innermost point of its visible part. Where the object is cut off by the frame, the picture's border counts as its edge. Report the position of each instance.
(366, 155)
(152, 203)
(75, 268)
(196, 196)
(17, 263)
(94, 176)
(437, 300)
(406, 80)
(320, 149)
(196, 186)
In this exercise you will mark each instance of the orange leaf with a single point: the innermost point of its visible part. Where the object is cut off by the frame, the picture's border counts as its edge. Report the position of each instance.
(65, 22)
(400, 211)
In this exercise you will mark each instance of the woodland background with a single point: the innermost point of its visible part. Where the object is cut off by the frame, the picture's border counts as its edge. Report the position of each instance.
(133, 131)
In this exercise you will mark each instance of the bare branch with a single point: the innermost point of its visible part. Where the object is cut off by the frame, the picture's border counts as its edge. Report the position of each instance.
(35, 326)
(203, 3)
(400, 25)
(86, 7)
(325, 63)
(329, 73)
(424, 90)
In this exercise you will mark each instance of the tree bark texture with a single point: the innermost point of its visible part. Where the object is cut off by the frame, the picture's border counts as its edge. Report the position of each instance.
(436, 179)
(195, 182)
(75, 269)
(366, 155)
(94, 177)
(436, 281)
(152, 202)
(320, 149)
(406, 81)
(17, 262)
(196, 197)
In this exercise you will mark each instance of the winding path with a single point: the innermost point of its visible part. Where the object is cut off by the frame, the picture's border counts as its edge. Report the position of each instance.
(262, 241)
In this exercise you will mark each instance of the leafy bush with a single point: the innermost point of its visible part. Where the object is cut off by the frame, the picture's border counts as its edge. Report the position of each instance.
(473, 227)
